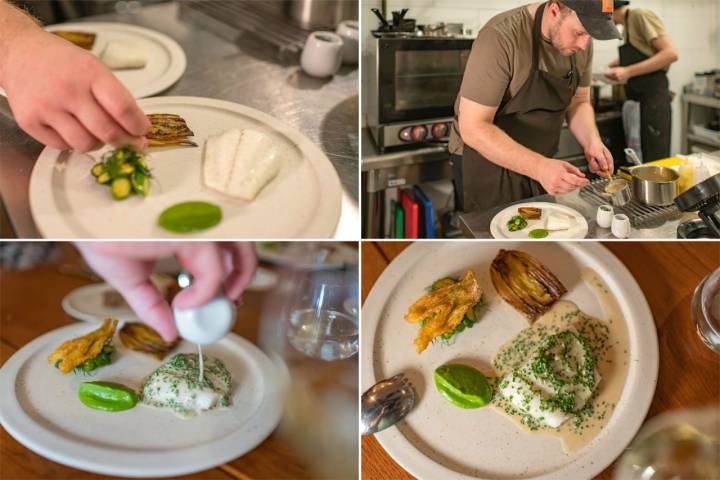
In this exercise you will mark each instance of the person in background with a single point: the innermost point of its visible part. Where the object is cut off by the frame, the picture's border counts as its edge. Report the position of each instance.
(61, 95)
(214, 266)
(644, 61)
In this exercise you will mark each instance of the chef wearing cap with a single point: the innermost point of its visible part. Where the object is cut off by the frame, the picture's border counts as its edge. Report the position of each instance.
(529, 70)
(644, 61)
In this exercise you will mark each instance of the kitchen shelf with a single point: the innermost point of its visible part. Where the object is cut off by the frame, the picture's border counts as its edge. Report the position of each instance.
(687, 138)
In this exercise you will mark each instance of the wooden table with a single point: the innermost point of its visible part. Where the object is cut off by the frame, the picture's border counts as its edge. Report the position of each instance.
(668, 273)
(30, 305)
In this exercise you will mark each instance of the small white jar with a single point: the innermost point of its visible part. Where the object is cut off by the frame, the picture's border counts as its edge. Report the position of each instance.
(620, 226)
(207, 323)
(322, 55)
(349, 31)
(604, 216)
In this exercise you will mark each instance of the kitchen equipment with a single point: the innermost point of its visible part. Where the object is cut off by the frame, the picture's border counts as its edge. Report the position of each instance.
(399, 25)
(322, 55)
(632, 157)
(620, 226)
(348, 31)
(654, 186)
(386, 403)
(703, 198)
(412, 86)
(604, 216)
(321, 14)
(619, 191)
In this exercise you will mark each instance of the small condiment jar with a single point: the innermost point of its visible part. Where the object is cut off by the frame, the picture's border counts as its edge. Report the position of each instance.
(207, 323)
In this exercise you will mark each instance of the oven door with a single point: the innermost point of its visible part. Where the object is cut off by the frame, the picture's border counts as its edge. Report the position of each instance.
(419, 78)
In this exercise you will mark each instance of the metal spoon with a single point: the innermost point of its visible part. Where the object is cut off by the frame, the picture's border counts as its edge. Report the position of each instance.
(386, 403)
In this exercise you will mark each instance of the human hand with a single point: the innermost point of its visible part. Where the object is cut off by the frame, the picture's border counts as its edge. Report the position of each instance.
(559, 177)
(599, 158)
(127, 266)
(618, 74)
(66, 98)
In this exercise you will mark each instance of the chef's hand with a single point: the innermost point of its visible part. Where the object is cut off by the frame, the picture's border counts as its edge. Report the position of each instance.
(65, 97)
(618, 74)
(559, 177)
(599, 158)
(127, 266)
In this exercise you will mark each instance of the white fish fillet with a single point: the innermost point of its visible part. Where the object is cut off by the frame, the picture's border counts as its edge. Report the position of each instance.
(240, 163)
(556, 222)
(120, 55)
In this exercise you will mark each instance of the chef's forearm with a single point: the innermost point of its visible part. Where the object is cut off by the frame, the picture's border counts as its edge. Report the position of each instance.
(581, 122)
(14, 23)
(497, 146)
(659, 61)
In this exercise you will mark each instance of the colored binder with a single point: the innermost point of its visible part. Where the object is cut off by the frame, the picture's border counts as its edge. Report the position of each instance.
(427, 227)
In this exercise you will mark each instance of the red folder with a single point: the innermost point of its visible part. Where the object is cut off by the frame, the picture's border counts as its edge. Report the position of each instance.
(411, 213)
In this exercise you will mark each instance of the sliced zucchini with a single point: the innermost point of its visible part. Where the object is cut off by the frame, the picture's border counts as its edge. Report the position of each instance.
(97, 169)
(126, 168)
(140, 183)
(103, 178)
(120, 188)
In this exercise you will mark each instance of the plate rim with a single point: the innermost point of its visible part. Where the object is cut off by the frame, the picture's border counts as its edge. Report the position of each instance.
(50, 224)
(163, 464)
(585, 466)
(498, 233)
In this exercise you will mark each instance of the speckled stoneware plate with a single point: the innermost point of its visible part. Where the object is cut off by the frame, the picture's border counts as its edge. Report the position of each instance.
(303, 201)
(39, 407)
(578, 225)
(439, 440)
(166, 61)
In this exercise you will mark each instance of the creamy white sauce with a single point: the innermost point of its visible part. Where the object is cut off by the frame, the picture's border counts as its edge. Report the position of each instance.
(609, 338)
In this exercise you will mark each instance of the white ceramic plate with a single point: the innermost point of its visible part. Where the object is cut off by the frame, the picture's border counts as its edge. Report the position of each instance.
(166, 59)
(578, 224)
(437, 440)
(303, 201)
(327, 256)
(40, 409)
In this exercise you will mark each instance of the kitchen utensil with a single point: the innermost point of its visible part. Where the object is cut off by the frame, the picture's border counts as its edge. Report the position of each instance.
(386, 403)
(348, 31)
(604, 216)
(703, 198)
(654, 186)
(380, 16)
(632, 157)
(620, 226)
(619, 192)
(322, 14)
(322, 55)
(706, 310)
(205, 324)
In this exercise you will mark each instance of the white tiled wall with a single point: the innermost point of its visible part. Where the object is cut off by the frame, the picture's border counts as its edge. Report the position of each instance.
(694, 25)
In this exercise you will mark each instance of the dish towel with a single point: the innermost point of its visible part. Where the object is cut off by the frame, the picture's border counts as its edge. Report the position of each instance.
(631, 124)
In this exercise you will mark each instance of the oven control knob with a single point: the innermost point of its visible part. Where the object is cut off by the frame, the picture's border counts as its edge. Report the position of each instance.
(406, 134)
(419, 133)
(439, 130)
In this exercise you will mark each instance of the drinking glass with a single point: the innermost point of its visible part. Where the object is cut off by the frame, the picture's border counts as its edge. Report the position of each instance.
(706, 310)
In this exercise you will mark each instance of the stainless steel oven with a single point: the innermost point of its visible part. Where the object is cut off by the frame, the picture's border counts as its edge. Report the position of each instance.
(412, 89)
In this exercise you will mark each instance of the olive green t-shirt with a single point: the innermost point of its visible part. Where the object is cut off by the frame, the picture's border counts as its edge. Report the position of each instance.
(500, 62)
(644, 27)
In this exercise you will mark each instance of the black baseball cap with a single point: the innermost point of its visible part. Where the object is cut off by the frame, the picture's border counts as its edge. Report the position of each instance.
(596, 17)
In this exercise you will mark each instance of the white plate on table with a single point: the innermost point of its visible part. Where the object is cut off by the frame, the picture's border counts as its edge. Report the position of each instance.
(302, 201)
(439, 440)
(578, 224)
(40, 408)
(320, 257)
(166, 61)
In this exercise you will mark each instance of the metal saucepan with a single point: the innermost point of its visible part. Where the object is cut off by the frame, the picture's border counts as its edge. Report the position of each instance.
(654, 186)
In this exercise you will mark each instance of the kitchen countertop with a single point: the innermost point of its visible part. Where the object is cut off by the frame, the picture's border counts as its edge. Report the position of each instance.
(477, 224)
(667, 273)
(326, 111)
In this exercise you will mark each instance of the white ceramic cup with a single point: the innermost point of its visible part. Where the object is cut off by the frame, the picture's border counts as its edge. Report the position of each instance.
(207, 323)
(620, 226)
(322, 54)
(604, 216)
(349, 31)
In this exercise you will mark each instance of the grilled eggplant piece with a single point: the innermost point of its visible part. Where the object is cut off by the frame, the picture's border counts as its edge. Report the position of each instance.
(530, 213)
(81, 39)
(441, 310)
(525, 283)
(142, 338)
(168, 129)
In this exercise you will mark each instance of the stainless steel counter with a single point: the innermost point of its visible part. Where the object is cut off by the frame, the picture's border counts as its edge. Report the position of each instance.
(326, 111)
(477, 224)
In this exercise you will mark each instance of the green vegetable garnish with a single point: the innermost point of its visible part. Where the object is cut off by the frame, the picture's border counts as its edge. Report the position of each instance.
(516, 223)
(442, 283)
(190, 217)
(125, 170)
(107, 396)
(463, 386)
(102, 359)
(538, 233)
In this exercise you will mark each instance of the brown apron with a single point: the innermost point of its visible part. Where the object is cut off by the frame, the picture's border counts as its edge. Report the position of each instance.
(533, 118)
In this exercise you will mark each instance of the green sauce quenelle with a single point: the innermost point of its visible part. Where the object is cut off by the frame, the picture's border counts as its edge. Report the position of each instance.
(463, 385)
(190, 217)
(107, 396)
